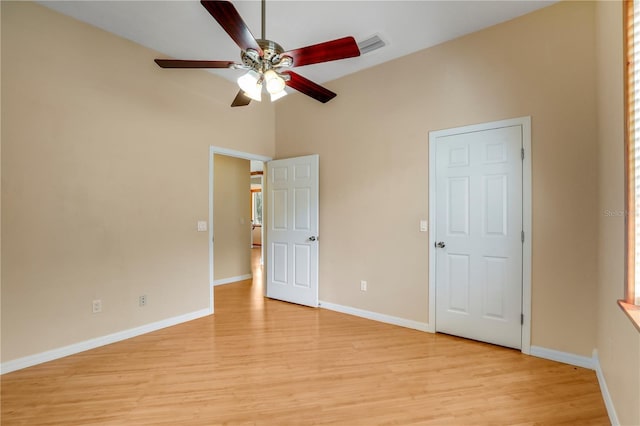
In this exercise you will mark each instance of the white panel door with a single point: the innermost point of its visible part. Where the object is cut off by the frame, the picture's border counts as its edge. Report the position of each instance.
(479, 235)
(292, 233)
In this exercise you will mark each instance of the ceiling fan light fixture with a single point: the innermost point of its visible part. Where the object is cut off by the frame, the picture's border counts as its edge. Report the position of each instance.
(275, 83)
(250, 85)
(264, 59)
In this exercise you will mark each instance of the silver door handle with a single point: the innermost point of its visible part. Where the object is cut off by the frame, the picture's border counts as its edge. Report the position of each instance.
(440, 244)
(312, 238)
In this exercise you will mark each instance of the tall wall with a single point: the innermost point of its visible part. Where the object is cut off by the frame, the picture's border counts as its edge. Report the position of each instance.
(104, 176)
(231, 217)
(373, 146)
(0, 190)
(618, 341)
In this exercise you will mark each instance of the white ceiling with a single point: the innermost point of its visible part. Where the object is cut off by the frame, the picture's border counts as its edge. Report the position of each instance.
(183, 29)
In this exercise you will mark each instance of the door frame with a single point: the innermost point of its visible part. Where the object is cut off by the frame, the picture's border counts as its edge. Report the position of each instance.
(525, 123)
(229, 153)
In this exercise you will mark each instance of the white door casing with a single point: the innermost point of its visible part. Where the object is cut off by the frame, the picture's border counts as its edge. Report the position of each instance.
(292, 233)
(477, 275)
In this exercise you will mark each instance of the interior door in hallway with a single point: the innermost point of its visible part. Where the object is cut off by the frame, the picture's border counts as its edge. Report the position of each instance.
(292, 233)
(479, 235)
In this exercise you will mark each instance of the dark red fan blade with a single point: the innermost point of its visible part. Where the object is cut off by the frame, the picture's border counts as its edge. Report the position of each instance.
(309, 88)
(178, 63)
(341, 48)
(241, 100)
(229, 19)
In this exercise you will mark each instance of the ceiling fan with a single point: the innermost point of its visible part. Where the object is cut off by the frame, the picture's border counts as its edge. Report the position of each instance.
(266, 62)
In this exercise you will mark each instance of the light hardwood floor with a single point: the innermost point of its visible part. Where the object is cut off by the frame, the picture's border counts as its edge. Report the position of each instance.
(259, 361)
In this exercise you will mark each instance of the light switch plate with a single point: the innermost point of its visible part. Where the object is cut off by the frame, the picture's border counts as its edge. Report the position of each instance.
(202, 226)
(423, 226)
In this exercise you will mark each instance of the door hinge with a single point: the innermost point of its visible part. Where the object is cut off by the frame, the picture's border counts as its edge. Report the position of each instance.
(522, 236)
(521, 319)
(522, 153)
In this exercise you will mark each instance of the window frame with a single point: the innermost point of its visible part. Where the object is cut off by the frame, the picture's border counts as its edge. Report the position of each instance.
(630, 303)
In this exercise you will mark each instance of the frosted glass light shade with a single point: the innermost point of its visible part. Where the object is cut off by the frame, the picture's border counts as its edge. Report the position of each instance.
(275, 83)
(250, 86)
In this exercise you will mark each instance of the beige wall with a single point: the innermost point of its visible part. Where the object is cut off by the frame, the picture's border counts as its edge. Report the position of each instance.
(373, 146)
(618, 341)
(104, 176)
(231, 217)
(0, 190)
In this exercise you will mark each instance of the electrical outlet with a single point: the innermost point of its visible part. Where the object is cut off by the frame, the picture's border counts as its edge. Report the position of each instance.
(363, 285)
(142, 300)
(96, 306)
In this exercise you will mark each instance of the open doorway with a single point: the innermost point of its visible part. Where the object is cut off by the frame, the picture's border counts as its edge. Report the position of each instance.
(231, 256)
(292, 245)
(231, 219)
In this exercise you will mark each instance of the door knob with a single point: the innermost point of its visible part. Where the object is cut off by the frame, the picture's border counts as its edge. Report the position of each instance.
(312, 238)
(440, 244)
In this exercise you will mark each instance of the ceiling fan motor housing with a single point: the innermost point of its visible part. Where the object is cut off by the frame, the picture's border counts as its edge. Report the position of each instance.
(271, 58)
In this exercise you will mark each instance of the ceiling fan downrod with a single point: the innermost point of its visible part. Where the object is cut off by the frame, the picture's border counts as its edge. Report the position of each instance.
(271, 51)
(264, 9)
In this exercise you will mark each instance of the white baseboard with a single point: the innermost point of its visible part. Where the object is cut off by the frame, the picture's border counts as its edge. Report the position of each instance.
(608, 401)
(592, 363)
(564, 357)
(388, 319)
(28, 361)
(232, 279)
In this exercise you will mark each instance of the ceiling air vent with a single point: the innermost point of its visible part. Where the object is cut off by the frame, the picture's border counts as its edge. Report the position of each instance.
(371, 44)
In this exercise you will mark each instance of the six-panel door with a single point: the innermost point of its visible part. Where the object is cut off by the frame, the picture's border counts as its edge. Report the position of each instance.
(292, 234)
(479, 223)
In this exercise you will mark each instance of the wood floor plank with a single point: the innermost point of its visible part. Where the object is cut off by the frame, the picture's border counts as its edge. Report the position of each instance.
(264, 362)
